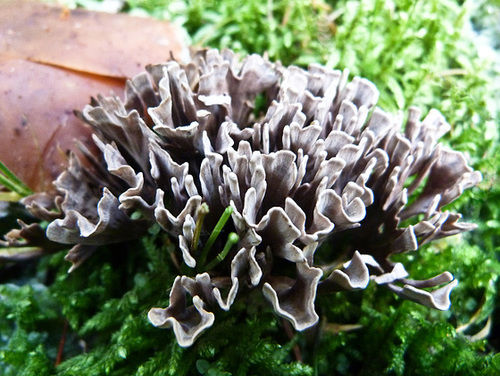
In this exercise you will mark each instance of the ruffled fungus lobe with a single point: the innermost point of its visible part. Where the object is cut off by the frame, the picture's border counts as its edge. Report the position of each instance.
(267, 177)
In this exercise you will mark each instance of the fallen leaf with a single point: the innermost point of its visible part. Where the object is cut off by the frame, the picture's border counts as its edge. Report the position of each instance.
(52, 61)
(113, 45)
(37, 124)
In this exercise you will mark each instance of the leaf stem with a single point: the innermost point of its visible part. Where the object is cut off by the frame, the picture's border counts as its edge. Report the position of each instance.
(215, 233)
(232, 239)
(203, 210)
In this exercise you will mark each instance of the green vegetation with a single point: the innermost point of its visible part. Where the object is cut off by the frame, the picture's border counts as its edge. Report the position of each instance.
(16, 187)
(93, 321)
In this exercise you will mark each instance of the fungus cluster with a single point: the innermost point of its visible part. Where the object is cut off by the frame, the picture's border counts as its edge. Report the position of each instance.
(266, 177)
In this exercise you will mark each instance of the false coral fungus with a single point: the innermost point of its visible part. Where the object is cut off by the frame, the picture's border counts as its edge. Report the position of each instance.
(266, 176)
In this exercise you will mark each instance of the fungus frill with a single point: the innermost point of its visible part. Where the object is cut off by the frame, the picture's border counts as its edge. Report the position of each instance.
(267, 177)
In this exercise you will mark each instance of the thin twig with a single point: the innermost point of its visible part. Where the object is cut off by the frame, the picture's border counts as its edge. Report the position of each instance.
(290, 334)
(60, 349)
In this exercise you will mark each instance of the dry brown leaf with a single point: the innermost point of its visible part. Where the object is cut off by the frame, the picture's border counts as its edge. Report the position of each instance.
(52, 60)
(37, 124)
(115, 45)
